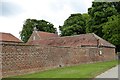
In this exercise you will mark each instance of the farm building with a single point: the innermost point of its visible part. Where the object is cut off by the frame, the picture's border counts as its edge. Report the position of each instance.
(48, 50)
(82, 40)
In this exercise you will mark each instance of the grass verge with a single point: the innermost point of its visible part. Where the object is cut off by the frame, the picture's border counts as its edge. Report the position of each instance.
(79, 71)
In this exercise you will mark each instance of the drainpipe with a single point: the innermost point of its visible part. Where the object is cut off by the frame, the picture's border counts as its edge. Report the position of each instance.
(98, 43)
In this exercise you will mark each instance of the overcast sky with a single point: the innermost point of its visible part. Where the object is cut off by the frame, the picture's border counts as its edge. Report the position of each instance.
(13, 13)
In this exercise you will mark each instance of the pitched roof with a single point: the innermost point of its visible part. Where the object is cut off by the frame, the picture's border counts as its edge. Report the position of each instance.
(44, 35)
(38, 35)
(7, 37)
(89, 39)
(103, 42)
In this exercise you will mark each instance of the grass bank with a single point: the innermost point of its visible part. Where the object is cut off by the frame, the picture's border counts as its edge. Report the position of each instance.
(79, 71)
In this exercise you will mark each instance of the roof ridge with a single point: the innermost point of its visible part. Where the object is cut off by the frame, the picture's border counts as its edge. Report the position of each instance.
(46, 32)
(68, 36)
(4, 33)
(95, 36)
(76, 35)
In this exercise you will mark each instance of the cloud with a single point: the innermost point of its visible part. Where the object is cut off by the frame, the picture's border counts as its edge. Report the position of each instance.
(75, 5)
(15, 12)
(9, 9)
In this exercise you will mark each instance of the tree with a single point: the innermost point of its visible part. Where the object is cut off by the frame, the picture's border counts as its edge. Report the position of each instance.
(41, 25)
(111, 31)
(99, 13)
(74, 25)
(117, 6)
(86, 17)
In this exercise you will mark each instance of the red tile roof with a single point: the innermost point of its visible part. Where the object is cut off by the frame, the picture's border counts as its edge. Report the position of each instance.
(89, 39)
(7, 37)
(38, 35)
(45, 35)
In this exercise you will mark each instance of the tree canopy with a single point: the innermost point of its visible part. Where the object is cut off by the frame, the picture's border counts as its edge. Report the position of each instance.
(104, 21)
(112, 31)
(41, 25)
(75, 24)
(99, 13)
(86, 17)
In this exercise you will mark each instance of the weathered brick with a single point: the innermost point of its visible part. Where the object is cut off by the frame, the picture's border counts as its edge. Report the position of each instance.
(23, 59)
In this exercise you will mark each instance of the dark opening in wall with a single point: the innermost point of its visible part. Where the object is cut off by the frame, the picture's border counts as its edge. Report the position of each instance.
(60, 65)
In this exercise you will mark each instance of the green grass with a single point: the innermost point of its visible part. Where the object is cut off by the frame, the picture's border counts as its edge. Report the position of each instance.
(79, 71)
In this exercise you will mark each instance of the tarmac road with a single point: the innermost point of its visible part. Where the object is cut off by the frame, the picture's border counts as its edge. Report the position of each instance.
(112, 73)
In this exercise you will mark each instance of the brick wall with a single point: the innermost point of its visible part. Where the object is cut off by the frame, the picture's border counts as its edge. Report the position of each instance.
(0, 61)
(22, 59)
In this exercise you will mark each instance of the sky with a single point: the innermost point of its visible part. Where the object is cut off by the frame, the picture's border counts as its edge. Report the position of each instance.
(13, 13)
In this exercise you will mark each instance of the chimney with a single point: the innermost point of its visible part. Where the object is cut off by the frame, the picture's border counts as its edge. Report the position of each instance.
(35, 29)
(34, 32)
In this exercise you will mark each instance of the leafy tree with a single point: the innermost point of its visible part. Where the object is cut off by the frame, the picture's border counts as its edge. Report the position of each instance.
(86, 17)
(111, 31)
(99, 13)
(41, 25)
(74, 25)
(117, 6)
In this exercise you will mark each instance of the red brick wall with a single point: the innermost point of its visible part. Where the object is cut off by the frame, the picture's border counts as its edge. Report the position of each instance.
(109, 53)
(21, 59)
(0, 61)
